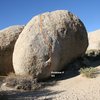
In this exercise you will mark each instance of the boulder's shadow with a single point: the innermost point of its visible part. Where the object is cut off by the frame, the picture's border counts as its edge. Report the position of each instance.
(90, 59)
(44, 94)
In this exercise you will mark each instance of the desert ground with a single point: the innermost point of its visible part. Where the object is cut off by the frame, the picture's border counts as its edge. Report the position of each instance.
(68, 86)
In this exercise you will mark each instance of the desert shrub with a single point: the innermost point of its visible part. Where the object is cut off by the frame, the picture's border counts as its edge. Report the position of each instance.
(89, 72)
(21, 82)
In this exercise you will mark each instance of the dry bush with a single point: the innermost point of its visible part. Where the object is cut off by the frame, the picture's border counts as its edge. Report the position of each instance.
(21, 82)
(89, 72)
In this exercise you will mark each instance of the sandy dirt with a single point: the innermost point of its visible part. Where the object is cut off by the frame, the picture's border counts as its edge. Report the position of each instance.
(75, 87)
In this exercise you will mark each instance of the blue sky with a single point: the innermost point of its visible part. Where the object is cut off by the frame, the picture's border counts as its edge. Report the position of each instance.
(16, 12)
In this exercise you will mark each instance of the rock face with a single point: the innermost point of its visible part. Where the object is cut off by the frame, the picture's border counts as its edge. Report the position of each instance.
(49, 42)
(8, 38)
(94, 40)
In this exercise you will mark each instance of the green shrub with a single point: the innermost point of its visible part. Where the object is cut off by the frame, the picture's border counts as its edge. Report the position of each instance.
(89, 72)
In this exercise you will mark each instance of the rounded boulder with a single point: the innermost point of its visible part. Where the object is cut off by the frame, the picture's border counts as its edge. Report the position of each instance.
(49, 42)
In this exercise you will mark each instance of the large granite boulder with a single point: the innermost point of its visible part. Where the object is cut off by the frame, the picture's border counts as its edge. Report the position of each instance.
(8, 38)
(49, 42)
(94, 40)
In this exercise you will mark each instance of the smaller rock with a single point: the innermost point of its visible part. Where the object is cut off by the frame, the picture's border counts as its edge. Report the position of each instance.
(8, 38)
(94, 40)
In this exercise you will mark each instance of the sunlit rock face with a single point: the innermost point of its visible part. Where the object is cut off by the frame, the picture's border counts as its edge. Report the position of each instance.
(49, 42)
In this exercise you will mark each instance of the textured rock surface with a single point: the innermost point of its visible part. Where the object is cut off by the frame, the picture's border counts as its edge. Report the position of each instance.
(48, 42)
(8, 38)
(94, 40)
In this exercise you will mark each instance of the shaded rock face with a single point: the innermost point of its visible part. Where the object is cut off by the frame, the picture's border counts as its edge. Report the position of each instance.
(49, 42)
(94, 40)
(8, 38)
